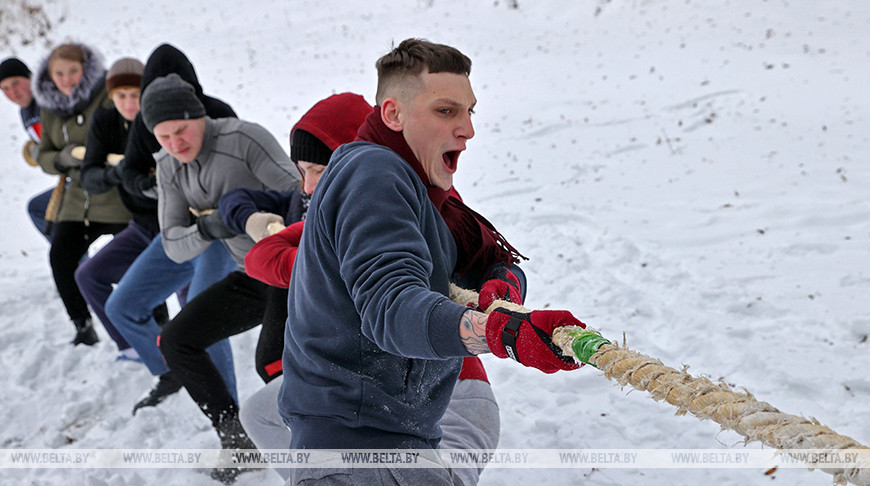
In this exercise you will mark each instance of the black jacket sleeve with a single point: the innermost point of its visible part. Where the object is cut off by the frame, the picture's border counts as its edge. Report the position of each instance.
(137, 170)
(98, 177)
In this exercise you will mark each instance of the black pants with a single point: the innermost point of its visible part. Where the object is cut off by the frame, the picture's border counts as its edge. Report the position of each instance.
(70, 242)
(229, 307)
(270, 346)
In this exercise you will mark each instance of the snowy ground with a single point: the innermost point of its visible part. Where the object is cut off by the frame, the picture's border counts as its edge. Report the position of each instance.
(692, 174)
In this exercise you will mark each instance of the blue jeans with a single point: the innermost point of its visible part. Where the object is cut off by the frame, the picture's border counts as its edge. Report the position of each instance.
(36, 209)
(150, 280)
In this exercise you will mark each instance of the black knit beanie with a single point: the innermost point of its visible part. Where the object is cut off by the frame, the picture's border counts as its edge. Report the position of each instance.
(170, 98)
(308, 148)
(13, 67)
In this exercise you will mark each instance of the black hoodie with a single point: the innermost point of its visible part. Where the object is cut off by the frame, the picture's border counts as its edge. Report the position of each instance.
(137, 169)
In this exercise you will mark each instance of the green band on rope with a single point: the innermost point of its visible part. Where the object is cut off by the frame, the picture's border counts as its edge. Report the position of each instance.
(585, 343)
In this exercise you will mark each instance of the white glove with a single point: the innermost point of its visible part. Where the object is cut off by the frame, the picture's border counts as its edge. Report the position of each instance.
(275, 227)
(78, 152)
(258, 225)
(114, 159)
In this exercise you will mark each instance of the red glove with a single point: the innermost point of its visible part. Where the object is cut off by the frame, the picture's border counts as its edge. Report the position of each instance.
(525, 337)
(271, 259)
(503, 285)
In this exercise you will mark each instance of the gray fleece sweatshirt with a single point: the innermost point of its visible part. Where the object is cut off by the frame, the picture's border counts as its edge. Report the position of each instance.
(235, 154)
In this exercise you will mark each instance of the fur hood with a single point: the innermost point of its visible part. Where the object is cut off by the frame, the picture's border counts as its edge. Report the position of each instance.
(93, 78)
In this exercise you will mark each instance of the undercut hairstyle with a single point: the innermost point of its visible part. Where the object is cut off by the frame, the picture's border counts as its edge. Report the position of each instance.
(399, 70)
(67, 52)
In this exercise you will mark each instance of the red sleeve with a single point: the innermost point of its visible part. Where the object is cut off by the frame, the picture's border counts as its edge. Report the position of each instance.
(271, 259)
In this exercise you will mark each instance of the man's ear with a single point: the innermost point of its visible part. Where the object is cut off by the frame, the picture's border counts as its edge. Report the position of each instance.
(390, 109)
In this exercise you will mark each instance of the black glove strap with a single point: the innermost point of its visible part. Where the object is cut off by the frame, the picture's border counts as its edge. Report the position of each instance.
(509, 335)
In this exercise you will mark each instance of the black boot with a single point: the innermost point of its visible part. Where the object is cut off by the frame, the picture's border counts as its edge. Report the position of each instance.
(233, 437)
(85, 333)
(166, 385)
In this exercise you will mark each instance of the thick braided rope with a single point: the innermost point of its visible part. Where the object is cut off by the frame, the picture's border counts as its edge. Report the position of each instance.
(737, 411)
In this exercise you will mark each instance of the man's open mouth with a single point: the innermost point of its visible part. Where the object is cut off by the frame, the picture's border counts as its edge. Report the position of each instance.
(451, 159)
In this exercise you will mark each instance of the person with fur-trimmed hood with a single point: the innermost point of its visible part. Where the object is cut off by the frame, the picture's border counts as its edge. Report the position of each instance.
(69, 86)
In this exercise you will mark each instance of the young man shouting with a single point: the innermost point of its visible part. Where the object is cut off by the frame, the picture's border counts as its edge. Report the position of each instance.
(373, 345)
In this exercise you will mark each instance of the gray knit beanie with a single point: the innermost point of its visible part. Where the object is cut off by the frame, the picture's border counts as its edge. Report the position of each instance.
(170, 98)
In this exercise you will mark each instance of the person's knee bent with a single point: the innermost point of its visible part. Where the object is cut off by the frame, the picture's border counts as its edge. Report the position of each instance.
(122, 307)
(472, 418)
(114, 309)
(85, 275)
(167, 343)
(174, 344)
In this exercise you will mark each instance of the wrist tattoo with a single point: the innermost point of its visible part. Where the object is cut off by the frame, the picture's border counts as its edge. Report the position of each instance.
(472, 331)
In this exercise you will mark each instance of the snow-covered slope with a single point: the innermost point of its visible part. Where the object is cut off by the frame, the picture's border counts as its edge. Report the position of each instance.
(693, 175)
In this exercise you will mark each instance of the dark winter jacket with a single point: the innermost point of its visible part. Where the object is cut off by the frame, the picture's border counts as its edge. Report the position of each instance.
(65, 121)
(234, 154)
(30, 120)
(138, 168)
(374, 350)
(108, 134)
(238, 205)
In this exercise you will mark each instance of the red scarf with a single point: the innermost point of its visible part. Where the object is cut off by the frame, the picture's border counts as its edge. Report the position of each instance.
(478, 243)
